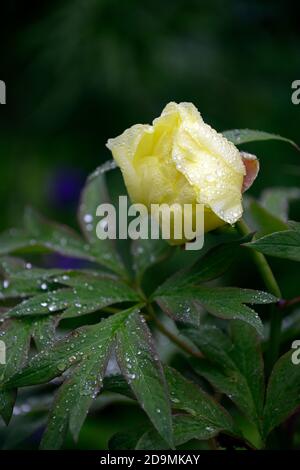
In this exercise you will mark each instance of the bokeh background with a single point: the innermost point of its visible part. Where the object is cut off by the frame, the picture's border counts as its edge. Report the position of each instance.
(81, 71)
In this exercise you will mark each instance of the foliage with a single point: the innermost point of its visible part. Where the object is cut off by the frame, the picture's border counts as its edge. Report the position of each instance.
(92, 331)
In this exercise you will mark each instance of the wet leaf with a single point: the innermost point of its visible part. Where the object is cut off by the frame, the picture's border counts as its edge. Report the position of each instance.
(284, 244)
(243, 136)
(224, 302)
(140, 364)
(88, 295)
(233, 365)
(283, 392)
(93, 194)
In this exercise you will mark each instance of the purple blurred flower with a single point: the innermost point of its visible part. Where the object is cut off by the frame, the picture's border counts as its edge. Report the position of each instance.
(64, 187)
(55, 260)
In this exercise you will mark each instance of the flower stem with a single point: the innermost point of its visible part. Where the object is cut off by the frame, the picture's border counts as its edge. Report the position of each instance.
(289, 303)
(272, 286)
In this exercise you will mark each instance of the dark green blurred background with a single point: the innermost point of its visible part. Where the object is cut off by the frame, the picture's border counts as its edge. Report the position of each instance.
(78, 72)
(81, 71)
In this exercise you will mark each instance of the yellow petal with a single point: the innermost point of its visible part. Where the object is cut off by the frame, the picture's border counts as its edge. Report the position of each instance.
(211, 164)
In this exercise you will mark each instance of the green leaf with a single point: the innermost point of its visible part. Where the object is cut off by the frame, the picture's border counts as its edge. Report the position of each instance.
(283, 392)
(125, 440)
(13, 240)
(88, 295)
(19, 270)
(276, 201)
(233, 365)
(224, 302)
(88, 349)
(10, 266)
(54, 236)
(185, 428)
(43, 331)
(70, 350)
(42, 235)
(16, 335)
(21, 280)
(210, 266)
(141, 367)
(18, 289)
(84, 353)
(75, 397)
(117, 384)
(284, 244)
(146, 253)
(22, 427)
(51, 237)
(264, 221)
(95, 193)
(187, 396)
(185, 311)
(243, 136)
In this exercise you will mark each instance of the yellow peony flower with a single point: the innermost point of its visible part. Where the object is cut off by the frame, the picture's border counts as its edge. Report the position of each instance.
(181, 159)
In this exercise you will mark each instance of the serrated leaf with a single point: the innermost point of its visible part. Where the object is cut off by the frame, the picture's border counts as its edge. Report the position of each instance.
(93, 194)
(224, 302)
(284, 244)
(74, 399)
(21, 279)
(283, 392)
(66, 352)
(233, 365)
(17, 333)
(88, 295)
(243, 136)
(41, 235)
(141, 367)
(188, 397)
(210, 266)
(88, 349)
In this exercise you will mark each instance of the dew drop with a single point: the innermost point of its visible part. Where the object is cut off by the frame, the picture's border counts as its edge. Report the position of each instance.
(52, 308)
(88, 218)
